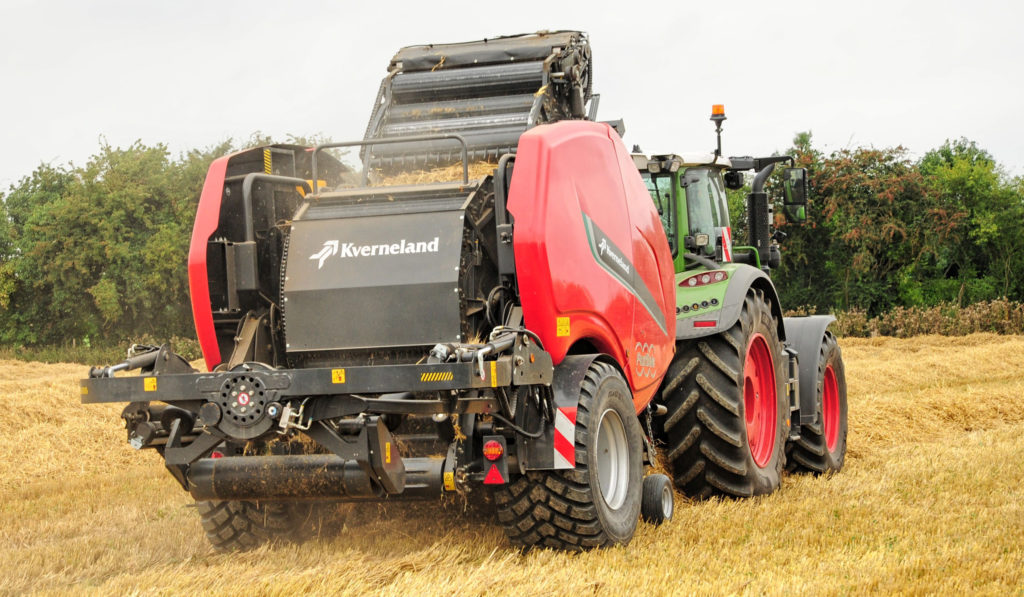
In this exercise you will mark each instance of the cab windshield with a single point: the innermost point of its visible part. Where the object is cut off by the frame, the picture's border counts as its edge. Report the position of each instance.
(706, 206)
(660, 188)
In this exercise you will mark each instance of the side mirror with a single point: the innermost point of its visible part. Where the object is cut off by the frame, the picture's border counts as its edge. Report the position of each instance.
(794, 188)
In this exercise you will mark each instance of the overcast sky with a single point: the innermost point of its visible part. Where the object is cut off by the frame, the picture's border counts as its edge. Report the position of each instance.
(191, 74)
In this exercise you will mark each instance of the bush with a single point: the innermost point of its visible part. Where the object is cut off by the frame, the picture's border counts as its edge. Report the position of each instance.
(85, 354)
(1000, 316)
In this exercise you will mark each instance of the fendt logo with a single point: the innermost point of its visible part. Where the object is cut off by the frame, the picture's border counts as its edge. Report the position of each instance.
(347, 250)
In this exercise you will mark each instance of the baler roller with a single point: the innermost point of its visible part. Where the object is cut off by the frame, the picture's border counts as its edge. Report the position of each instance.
(490, 92)
(484, 81)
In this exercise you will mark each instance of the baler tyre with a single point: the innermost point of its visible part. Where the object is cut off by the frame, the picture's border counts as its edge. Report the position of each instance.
(241, 525)
(727, 420)
(821, 448)
(658, 501)
(597, 503)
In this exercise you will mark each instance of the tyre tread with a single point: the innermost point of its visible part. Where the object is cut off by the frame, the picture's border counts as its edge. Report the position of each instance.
(705, 430)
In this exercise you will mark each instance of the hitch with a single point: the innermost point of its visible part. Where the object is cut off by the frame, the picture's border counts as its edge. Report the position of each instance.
(155, 360)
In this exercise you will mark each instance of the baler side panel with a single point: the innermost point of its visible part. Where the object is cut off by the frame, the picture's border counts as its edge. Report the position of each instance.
(207, 220)
(574, 248)
(654, 322)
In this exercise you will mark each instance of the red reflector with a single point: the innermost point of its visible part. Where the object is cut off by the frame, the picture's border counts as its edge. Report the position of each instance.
(216, 454)
(704, 324)
(494, 476)
(493, 451)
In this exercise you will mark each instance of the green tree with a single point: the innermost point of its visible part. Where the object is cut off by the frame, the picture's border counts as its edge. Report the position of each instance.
(983, 264)
(804, 278)
(25, 294)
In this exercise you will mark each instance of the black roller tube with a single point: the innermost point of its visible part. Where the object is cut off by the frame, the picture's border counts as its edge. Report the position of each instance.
(279, 478)
(304, 477)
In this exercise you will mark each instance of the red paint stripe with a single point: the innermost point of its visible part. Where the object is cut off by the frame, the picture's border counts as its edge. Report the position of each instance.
(570, 413)
(704, 324)
(566, 449)
(207, 218)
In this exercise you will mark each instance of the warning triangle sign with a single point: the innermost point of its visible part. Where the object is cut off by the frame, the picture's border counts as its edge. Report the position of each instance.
(494, 476)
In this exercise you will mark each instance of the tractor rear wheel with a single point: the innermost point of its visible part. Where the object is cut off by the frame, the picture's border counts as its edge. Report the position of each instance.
(726, 425)
(597, 503)
(239, 526)
(821, 447)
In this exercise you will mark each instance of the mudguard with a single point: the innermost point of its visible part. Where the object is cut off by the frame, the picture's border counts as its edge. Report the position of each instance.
(741, 281)
(556, 447)
(805, 335)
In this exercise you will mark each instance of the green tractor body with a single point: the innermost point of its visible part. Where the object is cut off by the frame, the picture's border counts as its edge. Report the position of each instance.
(750, 393)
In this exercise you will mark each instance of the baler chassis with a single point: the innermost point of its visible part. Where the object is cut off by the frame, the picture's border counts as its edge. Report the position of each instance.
(207, 421)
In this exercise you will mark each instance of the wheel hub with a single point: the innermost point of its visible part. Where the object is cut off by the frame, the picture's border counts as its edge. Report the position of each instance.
(830, 408)
(612, 459)
(760, 400)
(242, 399)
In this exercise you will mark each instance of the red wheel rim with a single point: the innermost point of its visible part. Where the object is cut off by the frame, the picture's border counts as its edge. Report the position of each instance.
(830, 408)
(759, 400)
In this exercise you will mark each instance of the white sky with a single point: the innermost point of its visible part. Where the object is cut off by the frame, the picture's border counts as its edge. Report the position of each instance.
(191, 74)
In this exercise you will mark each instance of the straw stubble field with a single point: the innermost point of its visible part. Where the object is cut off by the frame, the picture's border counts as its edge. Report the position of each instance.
(931, 501)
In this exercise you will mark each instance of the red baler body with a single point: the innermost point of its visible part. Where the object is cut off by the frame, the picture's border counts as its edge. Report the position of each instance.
(574, 186)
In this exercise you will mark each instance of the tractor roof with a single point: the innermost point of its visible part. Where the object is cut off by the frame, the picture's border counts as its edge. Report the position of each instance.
(685, 160)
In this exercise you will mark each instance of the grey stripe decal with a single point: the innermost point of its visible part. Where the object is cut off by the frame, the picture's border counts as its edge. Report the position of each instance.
(610, 257)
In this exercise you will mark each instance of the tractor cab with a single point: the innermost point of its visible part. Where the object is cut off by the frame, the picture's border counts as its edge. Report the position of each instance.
(689, 194)
(688, 191)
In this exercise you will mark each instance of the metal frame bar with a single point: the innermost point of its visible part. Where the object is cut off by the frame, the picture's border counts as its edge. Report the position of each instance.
(341, 381)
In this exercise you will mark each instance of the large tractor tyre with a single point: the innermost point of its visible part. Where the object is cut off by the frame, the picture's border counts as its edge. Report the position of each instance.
(597, 503)
(727, 420)
(239, 526)
(821, 448)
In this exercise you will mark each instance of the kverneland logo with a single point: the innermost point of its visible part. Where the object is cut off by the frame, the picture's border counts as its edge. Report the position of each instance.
(347, 250)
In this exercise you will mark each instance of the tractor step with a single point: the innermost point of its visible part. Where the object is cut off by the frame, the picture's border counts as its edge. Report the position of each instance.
(793, 392)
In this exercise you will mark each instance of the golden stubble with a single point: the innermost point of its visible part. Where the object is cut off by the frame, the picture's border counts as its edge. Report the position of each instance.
(930, 501)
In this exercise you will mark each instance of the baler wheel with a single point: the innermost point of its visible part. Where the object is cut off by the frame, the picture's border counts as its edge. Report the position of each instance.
(658, 502)
(597, 503)
(240, 526)
(821, 448)
(726, 423)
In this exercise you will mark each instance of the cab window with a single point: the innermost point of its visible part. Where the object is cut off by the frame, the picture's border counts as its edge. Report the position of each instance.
(660, 188)
(705, 201)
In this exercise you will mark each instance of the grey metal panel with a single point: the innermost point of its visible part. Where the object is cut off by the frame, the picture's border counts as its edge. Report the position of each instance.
(355, 207)
(375, 281)
(371, 317)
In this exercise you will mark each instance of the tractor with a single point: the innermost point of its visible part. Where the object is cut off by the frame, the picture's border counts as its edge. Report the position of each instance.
(750, 392)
